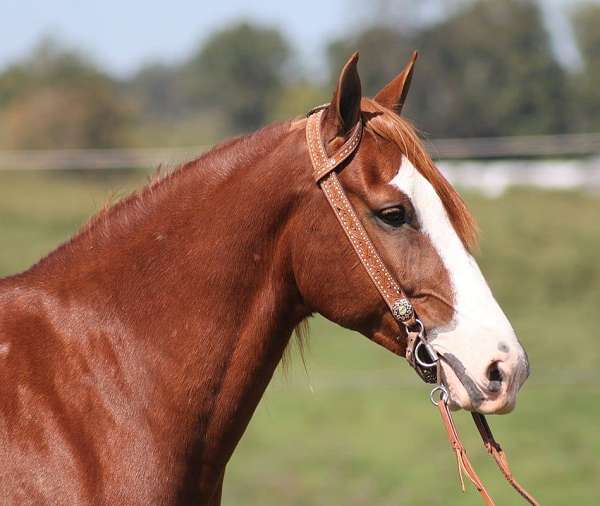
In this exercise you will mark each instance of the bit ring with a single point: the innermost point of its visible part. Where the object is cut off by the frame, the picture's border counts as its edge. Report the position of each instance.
(443, 395)
(421, 331)
(432, 355)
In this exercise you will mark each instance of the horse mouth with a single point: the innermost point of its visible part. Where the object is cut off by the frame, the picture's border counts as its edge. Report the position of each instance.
(466, 393)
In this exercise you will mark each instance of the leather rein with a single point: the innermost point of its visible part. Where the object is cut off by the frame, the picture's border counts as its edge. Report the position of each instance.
(418, 352)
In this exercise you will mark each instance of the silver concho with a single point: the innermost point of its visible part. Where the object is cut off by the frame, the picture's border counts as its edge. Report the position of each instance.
(402, 310)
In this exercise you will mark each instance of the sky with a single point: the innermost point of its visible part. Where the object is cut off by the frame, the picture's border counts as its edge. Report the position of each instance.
(121, 35)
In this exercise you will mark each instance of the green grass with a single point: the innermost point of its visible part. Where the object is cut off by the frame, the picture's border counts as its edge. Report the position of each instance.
(356, 428)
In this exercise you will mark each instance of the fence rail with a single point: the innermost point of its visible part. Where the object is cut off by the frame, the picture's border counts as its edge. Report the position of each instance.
(444, 149)
(540, 146)
(90, 159)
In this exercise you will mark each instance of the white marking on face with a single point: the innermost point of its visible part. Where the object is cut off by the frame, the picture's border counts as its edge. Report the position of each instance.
(479, 332)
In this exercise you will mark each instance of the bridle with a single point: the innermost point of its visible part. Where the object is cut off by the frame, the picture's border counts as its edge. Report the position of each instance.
(418, 352)
(391, 292)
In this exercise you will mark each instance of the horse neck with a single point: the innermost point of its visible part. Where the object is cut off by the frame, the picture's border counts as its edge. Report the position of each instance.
(194, 288)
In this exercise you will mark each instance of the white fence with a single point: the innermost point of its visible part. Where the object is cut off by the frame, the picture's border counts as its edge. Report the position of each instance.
(494, 177)
(93, 159)
(489, 164)
(517, 147)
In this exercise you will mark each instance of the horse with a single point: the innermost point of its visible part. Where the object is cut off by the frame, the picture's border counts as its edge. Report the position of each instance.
(133, 356)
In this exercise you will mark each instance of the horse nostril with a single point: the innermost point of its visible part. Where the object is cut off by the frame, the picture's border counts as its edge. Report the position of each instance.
(494, 374)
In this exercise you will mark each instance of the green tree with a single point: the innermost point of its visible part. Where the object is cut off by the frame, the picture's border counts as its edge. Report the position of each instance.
(487, 69)
(56, 98)
(239, 70)
(490, 70)
(586, 25)
(382, 51)
(296, 99)
(154, 88)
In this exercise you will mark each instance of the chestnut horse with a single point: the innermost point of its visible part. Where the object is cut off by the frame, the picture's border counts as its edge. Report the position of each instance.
(133, 357)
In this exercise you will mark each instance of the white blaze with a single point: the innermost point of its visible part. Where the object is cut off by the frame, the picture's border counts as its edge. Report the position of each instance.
(479, 332)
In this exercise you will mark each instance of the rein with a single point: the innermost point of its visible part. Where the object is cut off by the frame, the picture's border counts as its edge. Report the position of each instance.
(418, 352)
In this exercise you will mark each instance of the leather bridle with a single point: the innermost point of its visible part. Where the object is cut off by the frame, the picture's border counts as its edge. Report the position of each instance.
(418, 352)
(391, 292)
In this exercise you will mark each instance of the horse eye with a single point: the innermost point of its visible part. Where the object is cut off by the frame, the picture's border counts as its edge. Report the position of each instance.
(393, 216)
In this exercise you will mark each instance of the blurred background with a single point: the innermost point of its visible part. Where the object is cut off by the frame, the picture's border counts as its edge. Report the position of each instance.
(95, 96)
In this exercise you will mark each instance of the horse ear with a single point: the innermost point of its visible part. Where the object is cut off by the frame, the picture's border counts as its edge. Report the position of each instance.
(394, 93)
(344, 110)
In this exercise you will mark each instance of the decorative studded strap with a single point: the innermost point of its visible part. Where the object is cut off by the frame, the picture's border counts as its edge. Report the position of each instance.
(322, 163)
(324, 174)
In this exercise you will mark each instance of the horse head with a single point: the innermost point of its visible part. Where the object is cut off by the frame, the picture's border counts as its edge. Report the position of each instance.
(425, 235)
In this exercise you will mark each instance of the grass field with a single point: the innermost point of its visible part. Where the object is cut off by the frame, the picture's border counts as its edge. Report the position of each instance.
(356, 428)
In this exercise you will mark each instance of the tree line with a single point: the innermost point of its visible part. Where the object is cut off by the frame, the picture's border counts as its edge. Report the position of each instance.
(486, 69)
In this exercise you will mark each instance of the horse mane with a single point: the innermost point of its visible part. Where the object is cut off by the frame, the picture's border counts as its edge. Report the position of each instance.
(217, 163)
(208, 169)
(211, 167)
(391, 126)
